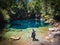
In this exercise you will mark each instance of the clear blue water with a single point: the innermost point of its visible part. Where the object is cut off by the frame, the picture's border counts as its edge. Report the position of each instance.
(23, 24)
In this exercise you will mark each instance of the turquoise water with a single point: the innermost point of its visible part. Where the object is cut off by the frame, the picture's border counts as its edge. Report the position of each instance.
(23, 24)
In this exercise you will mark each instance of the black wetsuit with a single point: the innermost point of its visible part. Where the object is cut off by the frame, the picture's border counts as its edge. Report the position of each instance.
(33, 35)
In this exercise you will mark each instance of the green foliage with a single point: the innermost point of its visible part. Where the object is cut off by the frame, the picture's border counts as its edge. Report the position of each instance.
(22, 7)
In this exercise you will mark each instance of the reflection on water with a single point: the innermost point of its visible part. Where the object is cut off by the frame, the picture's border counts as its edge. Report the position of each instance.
(22, 24)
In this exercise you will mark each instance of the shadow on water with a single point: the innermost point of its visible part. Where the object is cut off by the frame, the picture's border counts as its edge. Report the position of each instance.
(23, 24)
(36, 40)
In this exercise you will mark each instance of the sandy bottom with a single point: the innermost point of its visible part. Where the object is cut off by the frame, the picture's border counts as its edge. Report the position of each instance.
(26, 37)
